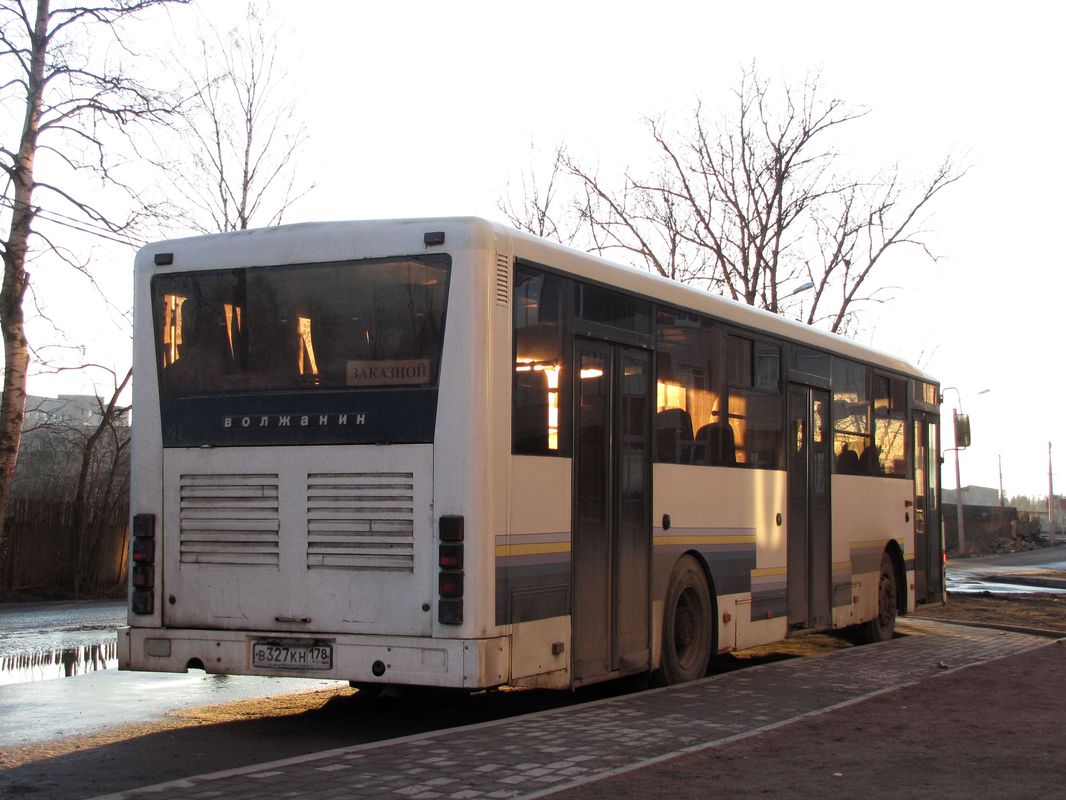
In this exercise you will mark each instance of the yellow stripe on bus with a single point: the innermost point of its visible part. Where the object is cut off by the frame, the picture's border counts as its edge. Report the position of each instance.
(759, 573)
(532, 549)
(704, 539)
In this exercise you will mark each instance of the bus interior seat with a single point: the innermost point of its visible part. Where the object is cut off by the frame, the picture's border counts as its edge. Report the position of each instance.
(716, 445)
(673, 436)
(870, 461)
(847, 462)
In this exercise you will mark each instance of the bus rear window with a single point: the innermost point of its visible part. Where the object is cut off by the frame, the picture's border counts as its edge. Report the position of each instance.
(344, 325)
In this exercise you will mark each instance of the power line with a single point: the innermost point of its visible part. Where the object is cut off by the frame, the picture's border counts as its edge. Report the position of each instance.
(83, 226)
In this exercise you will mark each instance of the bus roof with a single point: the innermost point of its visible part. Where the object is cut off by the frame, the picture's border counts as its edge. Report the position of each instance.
(325, 241)
(692, 298)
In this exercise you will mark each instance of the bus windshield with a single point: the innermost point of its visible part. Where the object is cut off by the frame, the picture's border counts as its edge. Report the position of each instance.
(344, 325)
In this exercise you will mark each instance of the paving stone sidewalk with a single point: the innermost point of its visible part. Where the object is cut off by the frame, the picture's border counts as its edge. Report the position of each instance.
(546, 752)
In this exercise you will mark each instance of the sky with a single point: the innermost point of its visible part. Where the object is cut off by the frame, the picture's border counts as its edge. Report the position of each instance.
(426, 108)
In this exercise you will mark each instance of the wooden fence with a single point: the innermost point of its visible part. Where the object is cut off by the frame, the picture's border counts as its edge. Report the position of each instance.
(39, 560)
(985, 528)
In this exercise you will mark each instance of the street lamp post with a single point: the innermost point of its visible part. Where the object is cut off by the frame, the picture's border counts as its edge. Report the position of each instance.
(1050, 500)
(958, 480)
(955, 414)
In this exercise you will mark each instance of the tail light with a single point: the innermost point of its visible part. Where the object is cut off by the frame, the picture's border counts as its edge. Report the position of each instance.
(142, 577)
(450, 579)
(143, 551)
(451, 584)
(451, 556)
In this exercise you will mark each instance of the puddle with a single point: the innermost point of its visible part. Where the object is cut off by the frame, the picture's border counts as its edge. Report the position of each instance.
(970, 583)
(63, 663)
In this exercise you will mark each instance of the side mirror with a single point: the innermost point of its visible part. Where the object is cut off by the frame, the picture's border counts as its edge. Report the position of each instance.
(962, 430)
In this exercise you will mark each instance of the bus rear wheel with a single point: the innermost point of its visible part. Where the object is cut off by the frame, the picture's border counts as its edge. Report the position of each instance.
(688, 623)
(882, 627)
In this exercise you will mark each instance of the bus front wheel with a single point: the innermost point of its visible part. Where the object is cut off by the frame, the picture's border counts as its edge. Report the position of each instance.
(688, 623)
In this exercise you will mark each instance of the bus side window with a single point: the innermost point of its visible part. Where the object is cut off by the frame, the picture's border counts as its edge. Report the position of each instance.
(889, 453)
(538, 424)
(851, 417)
(687, 393)
(756, 404)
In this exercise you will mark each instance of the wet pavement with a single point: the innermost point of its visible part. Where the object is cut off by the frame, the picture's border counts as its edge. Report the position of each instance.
(30, 627)
(551, 751)
(1042, 570)
(41, 641)
(45, 710)
(76, 642)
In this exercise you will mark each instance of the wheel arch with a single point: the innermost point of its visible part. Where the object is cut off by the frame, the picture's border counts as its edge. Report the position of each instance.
(895, 553)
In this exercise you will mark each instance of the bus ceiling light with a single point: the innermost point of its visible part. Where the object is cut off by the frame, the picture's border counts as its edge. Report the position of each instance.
(164, 259)
(433, 238)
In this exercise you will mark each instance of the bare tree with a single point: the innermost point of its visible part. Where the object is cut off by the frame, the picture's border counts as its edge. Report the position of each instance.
(77, 453)
(98, 473)
(241, 131)
(752, 206)
(71, 99)
(537, 209)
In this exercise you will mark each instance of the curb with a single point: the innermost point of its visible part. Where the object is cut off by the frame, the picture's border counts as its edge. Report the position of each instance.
(996, 626)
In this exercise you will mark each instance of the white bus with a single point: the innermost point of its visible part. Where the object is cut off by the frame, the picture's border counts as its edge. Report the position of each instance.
(442, 452)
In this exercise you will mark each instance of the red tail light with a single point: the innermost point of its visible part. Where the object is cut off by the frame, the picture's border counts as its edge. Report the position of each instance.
(451, 532)
(142, 575)
(451, 556)
(451, 584)
(143, 551)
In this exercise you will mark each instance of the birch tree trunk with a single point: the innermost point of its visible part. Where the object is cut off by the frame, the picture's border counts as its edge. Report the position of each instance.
(12, 319)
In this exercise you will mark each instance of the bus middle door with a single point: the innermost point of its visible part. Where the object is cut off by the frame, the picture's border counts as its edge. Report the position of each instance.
(611, 528)
(809, 547)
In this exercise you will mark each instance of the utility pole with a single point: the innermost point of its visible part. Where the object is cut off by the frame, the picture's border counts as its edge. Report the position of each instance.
(1050, 500)
(962, 441)
(1002, 497)
(958, 497)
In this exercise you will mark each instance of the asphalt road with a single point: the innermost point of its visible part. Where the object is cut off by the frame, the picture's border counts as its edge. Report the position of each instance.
(1010, 573)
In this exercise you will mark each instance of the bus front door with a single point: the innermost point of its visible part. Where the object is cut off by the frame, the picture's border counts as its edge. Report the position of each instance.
(809, 549)
(928, 546)
(611, 529)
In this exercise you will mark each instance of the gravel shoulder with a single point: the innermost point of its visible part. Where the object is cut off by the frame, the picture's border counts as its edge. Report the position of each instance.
(1046, 611)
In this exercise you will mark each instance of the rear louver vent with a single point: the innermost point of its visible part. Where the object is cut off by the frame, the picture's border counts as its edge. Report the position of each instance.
(229, 519)
(503, 279)
(361, 520)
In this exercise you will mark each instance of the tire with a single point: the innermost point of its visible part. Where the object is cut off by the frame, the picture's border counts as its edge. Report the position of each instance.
(882, 627)
(688, 622)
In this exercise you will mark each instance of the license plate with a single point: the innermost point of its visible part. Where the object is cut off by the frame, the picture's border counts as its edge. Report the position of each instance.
(292, 654)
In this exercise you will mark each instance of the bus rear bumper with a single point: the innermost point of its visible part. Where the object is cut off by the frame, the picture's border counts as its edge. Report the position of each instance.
(421, 661)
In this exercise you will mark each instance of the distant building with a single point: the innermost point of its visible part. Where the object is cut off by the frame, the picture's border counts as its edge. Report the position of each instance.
(974, 496)
(1060, 516)
(67, 410)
